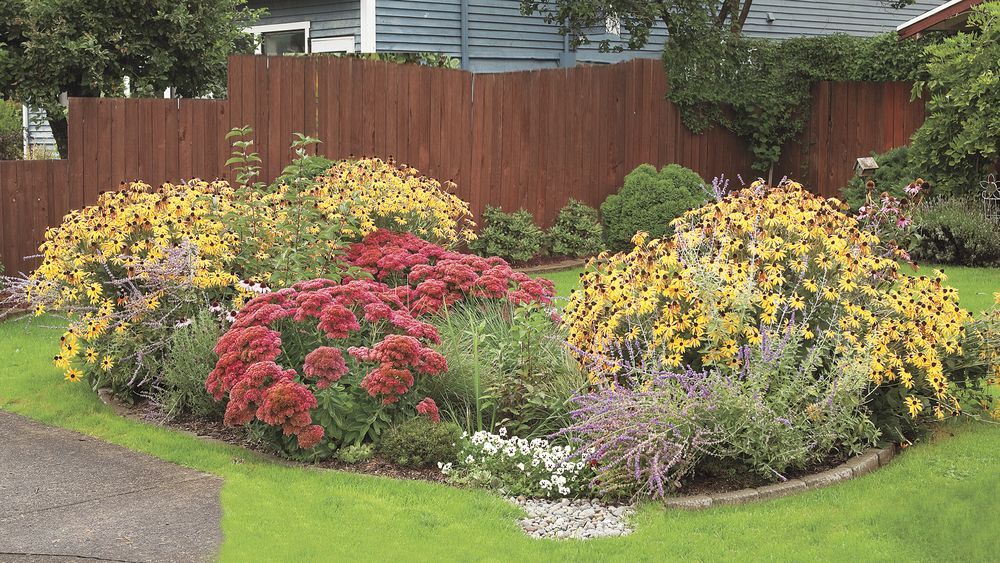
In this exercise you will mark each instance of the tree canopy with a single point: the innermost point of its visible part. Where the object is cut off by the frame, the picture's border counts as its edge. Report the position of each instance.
(89, 47)
(682, 18)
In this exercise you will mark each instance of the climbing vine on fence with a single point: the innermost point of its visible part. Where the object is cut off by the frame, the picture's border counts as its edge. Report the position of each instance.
(761, 88)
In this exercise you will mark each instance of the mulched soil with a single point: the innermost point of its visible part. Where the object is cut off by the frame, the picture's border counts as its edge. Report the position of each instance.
(706, 484)
(149, 412)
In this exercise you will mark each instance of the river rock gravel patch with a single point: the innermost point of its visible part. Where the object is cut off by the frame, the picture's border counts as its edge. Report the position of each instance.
(574, 519)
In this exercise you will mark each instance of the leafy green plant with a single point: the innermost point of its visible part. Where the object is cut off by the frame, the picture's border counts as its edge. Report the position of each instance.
(512, 236)
(356, 453)
(960, 139)
(649, 201)
(956, 231)
(761, 88)
(281, 248)
(577, 231)
(435, 60)
(506, 368)
(11, 135)
(420, 442)
(893, 174)
(189, 358)
(306, 168)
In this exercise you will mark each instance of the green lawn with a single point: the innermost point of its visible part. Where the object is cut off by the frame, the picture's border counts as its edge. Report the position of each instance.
(937, 502)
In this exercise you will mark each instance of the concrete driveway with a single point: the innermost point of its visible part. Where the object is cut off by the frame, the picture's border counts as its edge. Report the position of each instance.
(68, 497)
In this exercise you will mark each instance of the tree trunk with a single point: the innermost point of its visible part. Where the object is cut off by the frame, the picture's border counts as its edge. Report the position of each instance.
(60, 132)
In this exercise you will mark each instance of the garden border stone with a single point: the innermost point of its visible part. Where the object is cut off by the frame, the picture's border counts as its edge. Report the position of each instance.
(861, 464)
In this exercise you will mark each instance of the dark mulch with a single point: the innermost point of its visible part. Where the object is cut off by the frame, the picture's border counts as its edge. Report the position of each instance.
(708, 480)
(148, 411)
(712, 482)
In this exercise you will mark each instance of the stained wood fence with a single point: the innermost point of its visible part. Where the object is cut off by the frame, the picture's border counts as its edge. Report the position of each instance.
(523, 139)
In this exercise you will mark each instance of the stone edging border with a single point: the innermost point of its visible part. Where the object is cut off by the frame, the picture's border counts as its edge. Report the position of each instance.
(862, 464)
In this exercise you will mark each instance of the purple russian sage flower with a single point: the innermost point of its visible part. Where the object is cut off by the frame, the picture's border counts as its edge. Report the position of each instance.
(644, 439)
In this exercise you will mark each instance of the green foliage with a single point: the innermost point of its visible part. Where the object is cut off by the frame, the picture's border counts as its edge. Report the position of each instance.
(419, 442)
(577, 231)
(956, 231)
(435, 60)
(505, 369)
(894, 173)
(281, 249)
(649, 201)
(761, 89)
(960, 139)
(189, 358)
(512, 236)
(578, 19)
(88, 47)
(11, 134)
(305, 168)
(356, 453)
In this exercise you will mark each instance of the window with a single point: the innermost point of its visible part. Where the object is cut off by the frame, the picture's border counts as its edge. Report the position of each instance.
(283, 42)
(282, 38)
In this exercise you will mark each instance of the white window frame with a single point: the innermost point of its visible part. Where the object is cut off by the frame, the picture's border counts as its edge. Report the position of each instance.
(339, 44)
(275, 27)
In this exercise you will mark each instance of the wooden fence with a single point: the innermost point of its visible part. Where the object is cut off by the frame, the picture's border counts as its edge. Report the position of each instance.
(524, 139)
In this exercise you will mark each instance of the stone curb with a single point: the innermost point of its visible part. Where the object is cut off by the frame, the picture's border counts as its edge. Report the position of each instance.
(862, 464)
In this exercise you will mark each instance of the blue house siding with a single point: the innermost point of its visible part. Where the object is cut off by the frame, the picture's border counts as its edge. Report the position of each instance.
(501, 38)
(812, 17)
(327, 18)
(409, 27)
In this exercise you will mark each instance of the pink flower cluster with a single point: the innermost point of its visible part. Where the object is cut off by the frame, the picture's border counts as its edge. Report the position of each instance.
(260, 388)
(437, 278)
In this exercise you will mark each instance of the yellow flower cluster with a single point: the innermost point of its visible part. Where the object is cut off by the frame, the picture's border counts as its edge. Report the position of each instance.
(373, 194)
(765, 261)
(96, 262)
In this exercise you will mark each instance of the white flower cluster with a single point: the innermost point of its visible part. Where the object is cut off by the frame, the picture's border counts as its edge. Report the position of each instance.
(534, 467)
(257, 288)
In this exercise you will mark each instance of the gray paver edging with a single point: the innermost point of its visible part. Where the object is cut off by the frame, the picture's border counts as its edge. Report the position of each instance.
(862, 464)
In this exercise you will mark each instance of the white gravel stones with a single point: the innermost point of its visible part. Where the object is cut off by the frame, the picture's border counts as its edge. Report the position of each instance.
(577, 519)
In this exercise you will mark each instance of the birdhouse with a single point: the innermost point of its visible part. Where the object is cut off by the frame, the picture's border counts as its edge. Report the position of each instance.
(865, 166)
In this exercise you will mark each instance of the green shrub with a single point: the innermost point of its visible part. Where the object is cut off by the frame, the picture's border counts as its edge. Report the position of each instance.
(506, 369)
(189, 359)
(894, 173)
(512, 236)
(356, 453)
(956, 231)
(959, 142)
(649, 201)
(577, 231)
(420, 442)
(11, 134)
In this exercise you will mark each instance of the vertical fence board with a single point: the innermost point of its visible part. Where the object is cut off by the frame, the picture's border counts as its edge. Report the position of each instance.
(522, 139)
